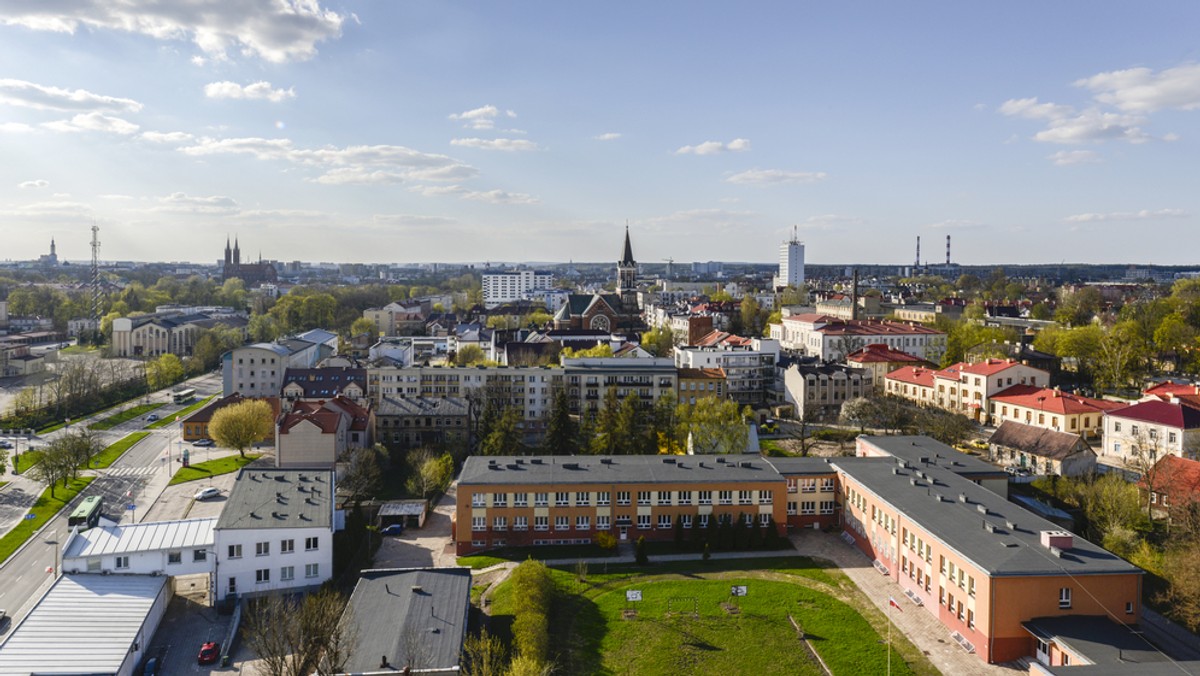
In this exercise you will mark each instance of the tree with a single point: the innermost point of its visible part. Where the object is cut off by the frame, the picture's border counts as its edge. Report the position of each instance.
(715, 425)
(436, 474)
(364, 326)
(562, 434)
(793, 296)
(164, 371)
(505, 436)
(859, 412)
(263, 328)
(1077, 307)
(1182, 595)
(242, 425)
(532, 590)
(361, 475)
(483, 655)
(290, 636)
(601, 350)
(639, 551)
(56, 464)
(1121, 358)
(469, 355)
(659, 341)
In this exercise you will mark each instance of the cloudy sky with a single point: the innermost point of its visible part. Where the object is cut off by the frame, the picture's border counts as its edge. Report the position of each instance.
(398, 131)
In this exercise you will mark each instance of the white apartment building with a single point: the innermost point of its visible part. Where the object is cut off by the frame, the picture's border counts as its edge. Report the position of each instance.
(830, 339)
(529, 388)
(791, 263)
(1137, 436)
(749, 364)
(169, 548)
(506, 287)
(275, 532)
(257, 370)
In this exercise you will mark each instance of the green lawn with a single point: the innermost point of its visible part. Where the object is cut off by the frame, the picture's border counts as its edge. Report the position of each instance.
(541, 553)
(212, 468)
(3, 484)
(591, 634)
(182, 413)
(28, 459)
(124, 416)
(79, 349)
(45, 508)
(109, 455)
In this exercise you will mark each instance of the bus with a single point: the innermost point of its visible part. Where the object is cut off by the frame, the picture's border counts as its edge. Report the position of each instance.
(183, 396)
(87, 514)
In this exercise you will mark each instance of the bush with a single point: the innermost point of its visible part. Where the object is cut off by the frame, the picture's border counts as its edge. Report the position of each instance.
(606, 540)
(840, 436)
(639, 551)
(532, 590)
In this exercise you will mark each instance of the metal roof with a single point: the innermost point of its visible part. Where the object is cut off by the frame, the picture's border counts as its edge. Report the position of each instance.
(802, 465)
(279, 498)
(422, 610)
(640, 469)
(917, 448)
(141, 537)
(402, 508)
(85, 624)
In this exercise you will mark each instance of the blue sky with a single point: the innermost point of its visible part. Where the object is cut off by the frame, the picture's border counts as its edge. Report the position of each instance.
(393, 131)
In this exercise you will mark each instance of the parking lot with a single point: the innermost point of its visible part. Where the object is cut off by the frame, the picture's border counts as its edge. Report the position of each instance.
(187, 624)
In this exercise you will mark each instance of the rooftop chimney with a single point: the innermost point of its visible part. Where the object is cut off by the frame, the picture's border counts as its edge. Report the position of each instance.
(1057, 539)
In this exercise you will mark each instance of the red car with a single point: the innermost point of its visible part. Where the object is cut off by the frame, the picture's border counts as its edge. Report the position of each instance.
(209, 653)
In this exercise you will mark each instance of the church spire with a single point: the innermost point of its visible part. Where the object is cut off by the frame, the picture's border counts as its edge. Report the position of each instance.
(627, 259)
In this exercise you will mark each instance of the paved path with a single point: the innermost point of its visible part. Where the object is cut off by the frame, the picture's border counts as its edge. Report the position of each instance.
(429, 545)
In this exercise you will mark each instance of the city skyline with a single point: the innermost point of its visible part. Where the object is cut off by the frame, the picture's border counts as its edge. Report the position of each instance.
(460, 133)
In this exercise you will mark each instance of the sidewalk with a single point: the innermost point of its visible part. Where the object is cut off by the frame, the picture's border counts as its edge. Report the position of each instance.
(16, 498)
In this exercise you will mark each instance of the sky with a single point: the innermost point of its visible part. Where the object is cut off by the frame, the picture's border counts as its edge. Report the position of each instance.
(394, 131)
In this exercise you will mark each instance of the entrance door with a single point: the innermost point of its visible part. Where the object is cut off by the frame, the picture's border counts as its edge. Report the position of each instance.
(624, 533)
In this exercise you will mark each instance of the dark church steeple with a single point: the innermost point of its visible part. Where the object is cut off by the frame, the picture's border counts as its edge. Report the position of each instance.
(627, 274)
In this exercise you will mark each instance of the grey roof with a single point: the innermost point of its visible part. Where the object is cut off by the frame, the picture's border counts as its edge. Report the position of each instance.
(141, 537)
(1100, 640)
(1038, 441)
(85, 624)
(422, 406)
(279, 498)
(325, 382)
(403, 508)
(551, 469)
(393, 609)
(808, 465)
(914, 448)
(960, 525)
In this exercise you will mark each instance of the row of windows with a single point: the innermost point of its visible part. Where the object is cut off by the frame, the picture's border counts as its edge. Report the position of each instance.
(286, 573)
(809, 485)
(542, 523)
(604, 498)
(285, 547)
(809, 507)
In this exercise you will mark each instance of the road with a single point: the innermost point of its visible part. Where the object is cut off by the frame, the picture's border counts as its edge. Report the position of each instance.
(136, 478)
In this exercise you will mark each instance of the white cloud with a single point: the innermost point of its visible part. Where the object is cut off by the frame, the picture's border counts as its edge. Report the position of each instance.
(352, 164)
(1142, 90)
(705, 220)
(774, 177)
(15, 128)
(483, 117)
(412, 221)
(274, 30)
(93, 122)
(1066, 158)
(1093, 126)
(260, 90)
(179, 202)
(608, 136)
(166, 136)
(38, 183)
(737, 145)
(489, 196)
(115, 197)
(41, 97)
(1033, 109)
(505, 144)
(1143, 215)
(49, 211)
(828, 222)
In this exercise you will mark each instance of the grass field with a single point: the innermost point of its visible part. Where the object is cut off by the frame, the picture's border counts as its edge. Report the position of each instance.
(28, 459)
(212, 468)
(592, 634)
(181, 413)
(124, 416)
(44, 509)
(109, 455)
(545, 553)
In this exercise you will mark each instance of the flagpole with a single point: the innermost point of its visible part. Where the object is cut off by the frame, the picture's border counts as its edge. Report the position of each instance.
(889, 644)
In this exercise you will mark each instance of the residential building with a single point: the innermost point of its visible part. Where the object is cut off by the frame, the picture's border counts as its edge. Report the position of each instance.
(1172, 488)
(423, 421)
(396, 319)
(963, 388)
(818, 390)
(791, 263)
(831, 339)
(195, 426)
(588, 379)
(275, 532)
(325, 383)
(511, 286)
(1051, 409)
(748, 363)
(519, 501)
(174, 333)
(699, 383)
(879, 360)
(409, 621)
(315, 433)
(1041, 450)
(171, 548)
(1137, 436)
(257, 370)
(928, 313)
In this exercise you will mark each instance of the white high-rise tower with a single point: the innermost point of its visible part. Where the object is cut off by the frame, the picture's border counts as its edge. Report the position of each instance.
(791, 262)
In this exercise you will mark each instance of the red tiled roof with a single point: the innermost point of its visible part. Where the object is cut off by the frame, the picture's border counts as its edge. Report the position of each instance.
(880, 353)
(714, 338)
(810, 318)
(1164, 391)
(1180, 416)
(914, 375)
(989, 367)
(327, 421)
(702, 373)
(1053, 401)
(1178, 477)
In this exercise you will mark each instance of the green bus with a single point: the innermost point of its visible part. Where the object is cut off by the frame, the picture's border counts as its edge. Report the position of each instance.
(87, 514)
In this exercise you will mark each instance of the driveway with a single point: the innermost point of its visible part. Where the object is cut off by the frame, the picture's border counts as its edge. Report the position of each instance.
(426, 546)
(184, 628)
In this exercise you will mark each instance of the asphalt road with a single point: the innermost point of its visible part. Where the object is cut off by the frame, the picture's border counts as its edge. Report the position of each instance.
(23, 575)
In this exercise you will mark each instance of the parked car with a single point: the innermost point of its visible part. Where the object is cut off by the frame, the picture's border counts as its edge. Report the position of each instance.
(206, 493)
(394, 529)
(151, 667)
(209, 653)
(152, 417)
(3, 615)
(203, 442)
(5, 444)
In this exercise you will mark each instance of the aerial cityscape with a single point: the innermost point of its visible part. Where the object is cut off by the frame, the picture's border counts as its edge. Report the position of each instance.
(422, 338)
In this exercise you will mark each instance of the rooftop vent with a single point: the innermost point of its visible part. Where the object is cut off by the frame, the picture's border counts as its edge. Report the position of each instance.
(570, 465)
(913, 481)
(982, 509)
(962, 497)
(746, 463)
(536, 461)
(924, 460)
(1057, 539)
(418, 589)
(1056, 552)
(720, 459)
(280, 477)
(668, 461)
(1010, 524)
(606, 461)
(520, 461)
(989, 527)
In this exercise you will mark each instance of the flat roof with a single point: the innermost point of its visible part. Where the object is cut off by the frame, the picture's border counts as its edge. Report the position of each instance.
(389, 608)
(141, 537)
(1103, 642)
(961, 525)
(85, 624)
(806, 465)
(914, 448)
(279, 498)
(403, 508)
(641, 469)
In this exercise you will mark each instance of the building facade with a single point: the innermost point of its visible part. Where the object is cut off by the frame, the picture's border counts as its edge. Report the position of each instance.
(508, 287)
(818, 390)
(831, 339)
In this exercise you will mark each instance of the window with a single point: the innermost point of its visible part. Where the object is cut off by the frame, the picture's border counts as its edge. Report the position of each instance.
(1171, 437)
(520, 499)
(603, 498)
(562, 523)
(541, 523)
(687, 520)
(174, 557)
(287, 546)
(1064, 597)
(500, 523)
(706, 497)
(311, 544)
(971, 619)
(235, 551)
(499, 499)
(583, 523)
(541, 499)
(287, 573)
(643, 521)
(791, 508)
(808, 485)
(122, 562)
(262, 548)
(1133, 429)
(520, 523)
(478, 523)
(622, 497)
(1129, 608)
(583, 499)
(744, 498)
(808, 507)
(262, 575)
(764, 519)
(233, 585)
(726, 497)
(703, 521)
(199, 555)
(478, 500)
(827, 485)
(1116, 427)
(664, 520)
(312, 569)
(685, 498)
(643, 497)
(602, 523)
(827, 506)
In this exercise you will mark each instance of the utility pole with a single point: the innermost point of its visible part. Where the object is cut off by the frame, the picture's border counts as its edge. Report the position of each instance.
(96, 281)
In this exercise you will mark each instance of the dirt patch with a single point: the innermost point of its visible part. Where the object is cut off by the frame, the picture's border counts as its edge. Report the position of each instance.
(731, 609)
(629, 614)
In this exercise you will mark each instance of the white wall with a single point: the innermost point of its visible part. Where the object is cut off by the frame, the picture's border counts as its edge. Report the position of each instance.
(243, 569)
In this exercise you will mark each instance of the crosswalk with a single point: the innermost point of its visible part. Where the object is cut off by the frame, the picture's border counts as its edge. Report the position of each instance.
(131, 471)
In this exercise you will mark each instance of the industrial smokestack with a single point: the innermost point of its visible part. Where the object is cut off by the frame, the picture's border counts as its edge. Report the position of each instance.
(917, 263)
(947, 249)
(854, 295)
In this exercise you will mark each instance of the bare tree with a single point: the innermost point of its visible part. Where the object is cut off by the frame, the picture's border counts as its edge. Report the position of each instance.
(484, 655)
(418, 654)
(361, 475)
(292, 637)
(271, 631)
